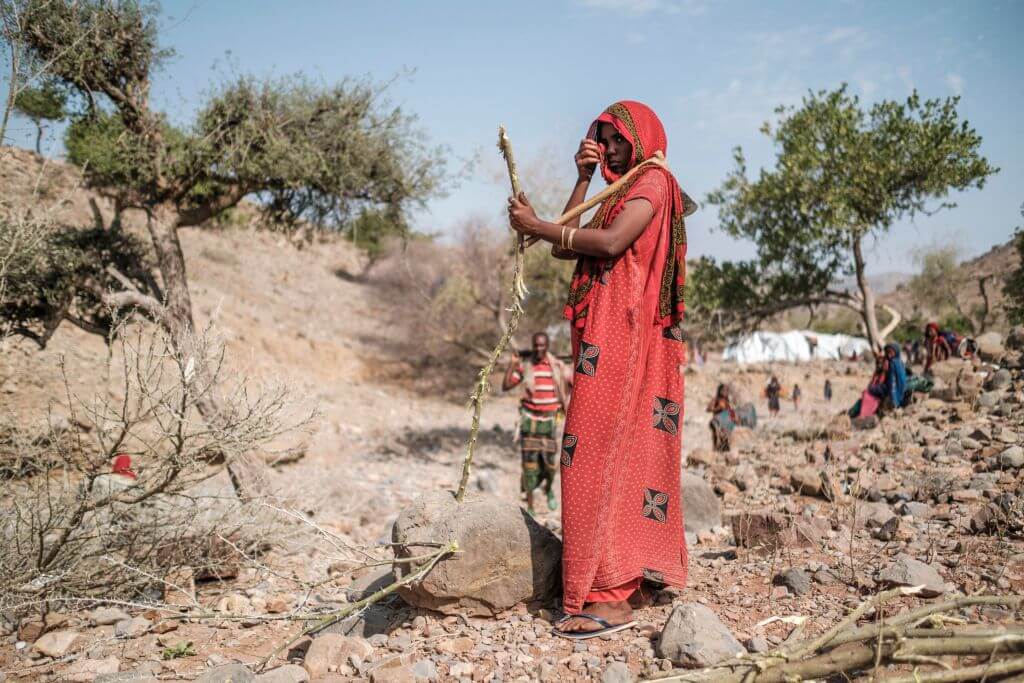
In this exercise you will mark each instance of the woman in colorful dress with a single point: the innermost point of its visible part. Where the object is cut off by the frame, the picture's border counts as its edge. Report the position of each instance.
(622, 520)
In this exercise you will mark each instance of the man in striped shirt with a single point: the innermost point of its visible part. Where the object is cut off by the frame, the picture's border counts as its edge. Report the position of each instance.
(545, 384)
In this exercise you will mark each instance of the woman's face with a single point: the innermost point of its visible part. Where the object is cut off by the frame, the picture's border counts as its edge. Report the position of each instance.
(618, 152)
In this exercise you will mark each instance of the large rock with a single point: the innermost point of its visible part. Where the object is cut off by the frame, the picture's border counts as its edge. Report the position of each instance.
(907, 571)
(505, 556)
(694, 637)
(617, 672)
(701, 509)
(990, 347)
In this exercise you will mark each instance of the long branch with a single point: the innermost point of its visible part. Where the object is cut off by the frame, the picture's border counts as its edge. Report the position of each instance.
(334, 617)
(483, 382)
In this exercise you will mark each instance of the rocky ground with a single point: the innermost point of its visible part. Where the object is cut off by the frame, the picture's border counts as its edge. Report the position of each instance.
(806, 517)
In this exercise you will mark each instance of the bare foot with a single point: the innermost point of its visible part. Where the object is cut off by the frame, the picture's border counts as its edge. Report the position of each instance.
(614, 613)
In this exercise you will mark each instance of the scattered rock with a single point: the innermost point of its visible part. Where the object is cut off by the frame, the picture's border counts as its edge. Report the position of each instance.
(767, 529)
(796, 580)
(617, 672)
(865, 423)
(333, 650)
(228, 673)
(86, 670)
(907, 571)
(1012, 457)
(694, 637)
(289, 673)
(104, 616)
(55, 643)
(132, 628)
(1000, 379)
(425, 670)
(393, 674)
(701, 508)
(505, 556)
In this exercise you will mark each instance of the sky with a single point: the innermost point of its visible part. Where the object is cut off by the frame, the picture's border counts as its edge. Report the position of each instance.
(713, 71)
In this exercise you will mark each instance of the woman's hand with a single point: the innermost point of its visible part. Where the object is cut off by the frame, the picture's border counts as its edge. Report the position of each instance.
(521, 215)
(587, 158)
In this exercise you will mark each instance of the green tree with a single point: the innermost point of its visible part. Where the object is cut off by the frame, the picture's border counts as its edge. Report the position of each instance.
(1013, 288)
(842, 175)
(312, 153)
(41, 103)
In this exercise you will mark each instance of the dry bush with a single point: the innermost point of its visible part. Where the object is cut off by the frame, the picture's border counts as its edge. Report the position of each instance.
(72, 529)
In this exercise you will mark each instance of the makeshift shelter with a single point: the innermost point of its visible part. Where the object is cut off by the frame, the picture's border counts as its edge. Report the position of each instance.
(794, 346)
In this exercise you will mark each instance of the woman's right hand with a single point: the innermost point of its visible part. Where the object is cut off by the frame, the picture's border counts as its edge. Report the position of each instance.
(587, 158)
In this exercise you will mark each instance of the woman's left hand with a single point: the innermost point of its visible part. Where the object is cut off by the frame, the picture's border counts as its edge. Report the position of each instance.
(521, 215)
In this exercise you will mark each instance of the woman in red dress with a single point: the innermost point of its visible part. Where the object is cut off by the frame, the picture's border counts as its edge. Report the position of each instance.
(622, 517)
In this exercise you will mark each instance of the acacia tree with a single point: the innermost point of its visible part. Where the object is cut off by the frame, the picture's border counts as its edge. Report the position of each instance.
(312, 153)
(842, 175)
(41, 103)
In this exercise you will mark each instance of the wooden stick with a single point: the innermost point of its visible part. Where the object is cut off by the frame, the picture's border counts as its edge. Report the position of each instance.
(657, 160)
(483, 381)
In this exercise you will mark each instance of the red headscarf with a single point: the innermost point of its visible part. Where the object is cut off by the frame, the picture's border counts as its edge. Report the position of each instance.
(641, 126)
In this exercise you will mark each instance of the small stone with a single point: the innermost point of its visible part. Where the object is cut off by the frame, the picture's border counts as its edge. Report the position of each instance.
(86, 670)
(277, 605)
(461, 670)
(289, 673)
(907, 571)
(104, 616)
(228, 673)
(425, 669)
(796, 580)
(758, 644)
(617, 672)
(55, 643)
(456, 646)
(1012, 457)
(694, 637)
(333, 650)
(132, 628)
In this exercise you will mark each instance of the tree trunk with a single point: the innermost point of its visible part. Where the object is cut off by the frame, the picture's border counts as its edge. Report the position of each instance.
(247, 476)
(867, 297)
(39, 139)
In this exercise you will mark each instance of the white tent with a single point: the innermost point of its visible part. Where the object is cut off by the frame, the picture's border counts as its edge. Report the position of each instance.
(794, 346)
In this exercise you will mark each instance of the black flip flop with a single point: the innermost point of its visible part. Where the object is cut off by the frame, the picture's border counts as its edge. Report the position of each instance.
(606, 627)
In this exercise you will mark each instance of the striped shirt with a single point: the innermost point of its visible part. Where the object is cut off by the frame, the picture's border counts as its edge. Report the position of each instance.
(544, 397)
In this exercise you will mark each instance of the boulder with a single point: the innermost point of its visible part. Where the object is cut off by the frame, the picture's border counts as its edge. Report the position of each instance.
(701, 509)
(694, 637)
(505, 556)
(104, 616)
(990, 347)
(907, 571)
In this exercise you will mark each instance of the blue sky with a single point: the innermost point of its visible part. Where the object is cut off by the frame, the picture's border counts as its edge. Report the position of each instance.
(714, 71)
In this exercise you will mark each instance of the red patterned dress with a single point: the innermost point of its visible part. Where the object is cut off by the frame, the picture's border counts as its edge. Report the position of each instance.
(622, 516)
